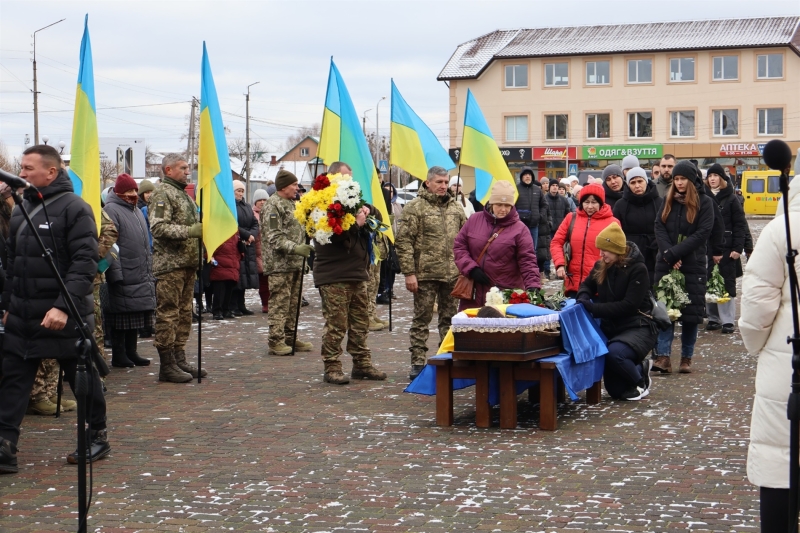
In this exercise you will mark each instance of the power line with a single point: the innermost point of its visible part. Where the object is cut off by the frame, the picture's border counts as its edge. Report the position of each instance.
(98, 109)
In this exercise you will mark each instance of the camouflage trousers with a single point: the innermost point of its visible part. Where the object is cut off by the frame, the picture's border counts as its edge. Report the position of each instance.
(46, 381)
(372, 289)
(344, 306)
(99, 338)
(284, 295)
(427, 294)
(174, 293)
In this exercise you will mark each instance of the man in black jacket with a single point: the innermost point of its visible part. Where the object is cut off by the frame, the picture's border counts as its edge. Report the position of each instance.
(36, 320)
(530, 202)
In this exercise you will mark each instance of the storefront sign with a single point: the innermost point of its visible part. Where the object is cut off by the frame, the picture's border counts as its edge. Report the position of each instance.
(739, 149)
(645, 151)
(554, 153)
(517, 153)
(455, 154)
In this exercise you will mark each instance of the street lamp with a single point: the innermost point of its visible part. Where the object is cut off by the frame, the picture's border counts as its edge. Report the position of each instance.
(35, 86)
(364, 121)
(247, 141)
(61, 145)
(377, 130)
(45, 138)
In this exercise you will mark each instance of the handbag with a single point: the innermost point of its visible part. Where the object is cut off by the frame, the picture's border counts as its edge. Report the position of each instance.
(464, 288)
(567, 247)
(658, 314)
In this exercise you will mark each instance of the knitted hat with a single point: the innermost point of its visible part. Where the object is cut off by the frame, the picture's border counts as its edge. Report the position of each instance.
(636, 172)
(260, 194)
(146, 186)
(502, 193)
(238, 184)
(125, 183)
(284, 179)
(595, 190)
(271, 189)
(630, 161)
(689, 171)
(454, 180)
(612, 170)
(717, 169)
(611, 239)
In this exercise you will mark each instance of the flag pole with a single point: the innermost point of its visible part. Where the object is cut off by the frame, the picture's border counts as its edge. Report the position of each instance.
(389, 246)
(200, 286)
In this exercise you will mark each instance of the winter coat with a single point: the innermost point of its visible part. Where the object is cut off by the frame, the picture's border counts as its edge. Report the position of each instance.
(346, 258)
(613, 196)
(559, 208)
(248, 226)
(679, 240)
(143, 207)
(765, 322)
(31, 291)
(620, 301)
(259, 259)
(530, 202)
(543, 239)
(465, 204)
(425, 241)
(584, 252)
(510, 261)
(663, 186)
(637, 217)
(227, 258)
(735, 231)
(172, 212)
(131, 284)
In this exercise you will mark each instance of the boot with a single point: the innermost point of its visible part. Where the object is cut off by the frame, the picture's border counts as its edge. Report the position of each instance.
(662, 364)
(8, 457)
(42, 408)
(97, 448)
(333, 373)
(119, 358)
(169, 371)
(367, 372)
(375, 326)
(280, 349)
(131, 349)
(183, 364)
(66, 405)
(302, 346)
(686, 364)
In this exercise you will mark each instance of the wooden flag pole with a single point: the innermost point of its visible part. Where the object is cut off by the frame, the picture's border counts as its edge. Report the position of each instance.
(200, 286)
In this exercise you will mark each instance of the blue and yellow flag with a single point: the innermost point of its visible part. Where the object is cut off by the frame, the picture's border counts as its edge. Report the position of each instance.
(214, 178)
(415, 148)
(84, 165)
(343, 140)
(479, 151)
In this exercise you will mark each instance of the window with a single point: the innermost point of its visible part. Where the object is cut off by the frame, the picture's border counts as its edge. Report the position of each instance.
(726, 122)
(770, 121)
(640, 124)
(555, 127)
(770, 66)
(726, 68)
(681, 123)
(755, 186)
(516, 76)
(556, 74)
(640, 71)
(517, 128)
(598, 126)
(774, 184)
(303, 152)
(681, 69)
(598, 73)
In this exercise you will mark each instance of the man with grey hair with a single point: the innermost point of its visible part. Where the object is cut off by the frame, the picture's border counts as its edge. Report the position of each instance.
(340, 167)
(424, 244)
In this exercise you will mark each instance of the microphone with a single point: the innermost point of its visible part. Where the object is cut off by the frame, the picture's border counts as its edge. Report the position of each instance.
(15, 182)
(777, 155)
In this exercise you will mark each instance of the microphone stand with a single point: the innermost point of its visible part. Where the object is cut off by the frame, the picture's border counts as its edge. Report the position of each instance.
(83, 348)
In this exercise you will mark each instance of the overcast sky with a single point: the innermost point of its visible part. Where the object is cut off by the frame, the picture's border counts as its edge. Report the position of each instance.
(147, 54)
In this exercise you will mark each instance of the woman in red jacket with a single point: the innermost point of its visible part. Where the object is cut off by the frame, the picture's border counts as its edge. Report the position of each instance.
(224, 276)
(591, 217)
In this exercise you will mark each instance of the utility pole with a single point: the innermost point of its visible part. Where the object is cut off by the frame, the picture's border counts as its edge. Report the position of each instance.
(364, 121)
(36, 86)
(247, 142)
(377, 130)
(191, 134)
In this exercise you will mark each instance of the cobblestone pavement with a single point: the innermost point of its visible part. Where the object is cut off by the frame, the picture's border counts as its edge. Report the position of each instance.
(264, 445)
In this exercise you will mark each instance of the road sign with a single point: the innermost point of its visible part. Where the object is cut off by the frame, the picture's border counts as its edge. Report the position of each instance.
(573, 169)
(383, 166)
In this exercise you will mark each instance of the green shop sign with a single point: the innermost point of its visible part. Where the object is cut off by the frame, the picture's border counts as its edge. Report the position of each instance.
(645, 151)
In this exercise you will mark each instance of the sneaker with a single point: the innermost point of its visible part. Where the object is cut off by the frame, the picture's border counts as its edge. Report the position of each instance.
(97, 449)
(635, 394)
(42, 408)
(713, 326)
(727, 328)
(8, 457)
(646, 368)
(416, 370)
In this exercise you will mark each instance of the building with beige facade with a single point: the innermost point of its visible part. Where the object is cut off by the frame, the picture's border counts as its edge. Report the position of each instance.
(710, 90)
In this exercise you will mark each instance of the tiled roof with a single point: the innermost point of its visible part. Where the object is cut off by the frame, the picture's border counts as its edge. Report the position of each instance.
(472, 57)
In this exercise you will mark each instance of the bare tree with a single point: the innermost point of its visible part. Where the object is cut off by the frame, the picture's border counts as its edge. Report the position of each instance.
(306, 131)
(149, 156)
(108, 172)
(8, 163)
(238, 148)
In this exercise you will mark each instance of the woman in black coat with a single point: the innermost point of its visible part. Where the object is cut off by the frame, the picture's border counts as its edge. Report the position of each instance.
(617, 292)
(636, 212)
(248, 266)
(683, 228)
(719, 189)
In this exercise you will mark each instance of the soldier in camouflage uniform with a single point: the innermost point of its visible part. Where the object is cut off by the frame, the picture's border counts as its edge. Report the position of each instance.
(375, 323)
(283, 247)
(176, 229)
(424, 245)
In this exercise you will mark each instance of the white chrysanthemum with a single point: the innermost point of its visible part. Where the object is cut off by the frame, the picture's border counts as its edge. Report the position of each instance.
(348, 193)
(323, 237)
(317, 214)
(494, 297)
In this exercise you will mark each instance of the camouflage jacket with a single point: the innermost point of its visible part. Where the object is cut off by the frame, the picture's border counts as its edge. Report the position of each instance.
(172, 212)
(280, 233)
(108, 237)
(426, 235)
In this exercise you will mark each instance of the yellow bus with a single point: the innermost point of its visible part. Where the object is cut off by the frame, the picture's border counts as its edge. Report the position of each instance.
(762, 191)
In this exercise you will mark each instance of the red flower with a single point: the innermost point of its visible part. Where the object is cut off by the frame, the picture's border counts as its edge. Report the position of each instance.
(519, 298)
(321, 182)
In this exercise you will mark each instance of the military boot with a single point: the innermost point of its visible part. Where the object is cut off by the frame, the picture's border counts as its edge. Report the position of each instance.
(302, 346)
(280, 349)
(183, 364)
(367, 372)
(333, 373)
(168, 370)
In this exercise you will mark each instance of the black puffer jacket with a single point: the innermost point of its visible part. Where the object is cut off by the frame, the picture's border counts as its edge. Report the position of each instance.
(31, 291)
(558, 206)
(545, 236)
(131, 284)
(637, 216)
(618, 302)
(248, 225)
(531, 200)
(735, 232)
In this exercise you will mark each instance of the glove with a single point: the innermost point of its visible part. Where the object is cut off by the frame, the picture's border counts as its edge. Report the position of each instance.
(302, 249)
(479, 276)
(196, 231)
(670, 257)
(587, 304)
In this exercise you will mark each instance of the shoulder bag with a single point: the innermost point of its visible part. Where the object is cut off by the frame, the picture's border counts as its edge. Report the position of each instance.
(465, 287)
(658, 314)
(567, 246)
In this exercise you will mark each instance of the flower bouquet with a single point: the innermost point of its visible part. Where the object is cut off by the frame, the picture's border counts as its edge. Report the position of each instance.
(715, 290)
(497, 296)
(671, 290)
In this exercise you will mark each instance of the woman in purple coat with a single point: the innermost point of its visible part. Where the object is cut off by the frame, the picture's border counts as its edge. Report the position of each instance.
(509, 261)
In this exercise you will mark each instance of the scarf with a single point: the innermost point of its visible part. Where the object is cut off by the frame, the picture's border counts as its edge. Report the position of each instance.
(715, 191)
(131, 200)
(680, 197)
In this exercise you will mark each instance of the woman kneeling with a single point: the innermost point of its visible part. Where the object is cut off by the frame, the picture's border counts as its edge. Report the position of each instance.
(617, 292)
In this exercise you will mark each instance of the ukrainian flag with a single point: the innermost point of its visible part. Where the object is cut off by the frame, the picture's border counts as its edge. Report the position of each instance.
(480, 151)
(415, 148)
(214, 178)
(343, 140)
(84, 165)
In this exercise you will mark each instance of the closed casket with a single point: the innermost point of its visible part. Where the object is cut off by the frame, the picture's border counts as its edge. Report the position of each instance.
(506, 338)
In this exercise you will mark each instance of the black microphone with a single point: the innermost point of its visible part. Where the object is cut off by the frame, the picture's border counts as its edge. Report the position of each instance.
(777, 155)
(15, 182)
